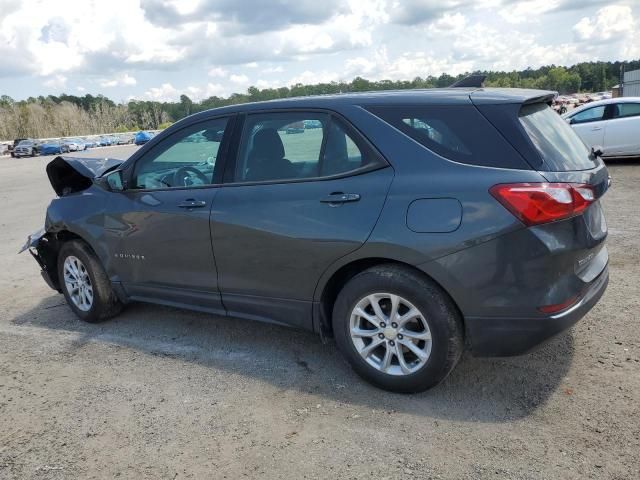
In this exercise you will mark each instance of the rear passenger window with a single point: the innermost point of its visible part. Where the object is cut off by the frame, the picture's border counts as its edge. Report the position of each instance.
(289, 146)
(627, 110)
(456, 132)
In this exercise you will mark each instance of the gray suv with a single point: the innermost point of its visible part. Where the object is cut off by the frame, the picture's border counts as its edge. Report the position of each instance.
(407, 225)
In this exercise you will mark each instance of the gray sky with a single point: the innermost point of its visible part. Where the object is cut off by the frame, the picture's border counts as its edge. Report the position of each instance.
(158, 49)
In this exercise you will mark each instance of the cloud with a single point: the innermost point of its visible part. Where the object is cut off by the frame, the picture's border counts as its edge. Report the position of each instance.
(239, 79)
(244, 17)
(613, 23)
(164, 93)
(414, 12)
(56, 30)
(217, 72)
(120, 80)
(56, 81)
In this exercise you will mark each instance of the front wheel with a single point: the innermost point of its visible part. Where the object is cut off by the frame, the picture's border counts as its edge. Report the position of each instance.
(397, 329)
(85, 284)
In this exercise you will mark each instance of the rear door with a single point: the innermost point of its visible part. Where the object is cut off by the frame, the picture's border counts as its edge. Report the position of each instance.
(622, 135)
(305, 189)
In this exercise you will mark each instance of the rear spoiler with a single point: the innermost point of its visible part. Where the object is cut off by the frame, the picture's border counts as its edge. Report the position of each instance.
(472, 81)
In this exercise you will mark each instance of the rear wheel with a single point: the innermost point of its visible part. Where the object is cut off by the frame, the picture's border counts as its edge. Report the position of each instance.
(397, 329)
(85, 284)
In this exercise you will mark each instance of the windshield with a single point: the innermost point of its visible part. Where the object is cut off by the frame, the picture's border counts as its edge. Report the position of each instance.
(558, 145)
(25, 143)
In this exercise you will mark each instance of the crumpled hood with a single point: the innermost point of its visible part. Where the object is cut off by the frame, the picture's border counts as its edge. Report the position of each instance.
(73, 174)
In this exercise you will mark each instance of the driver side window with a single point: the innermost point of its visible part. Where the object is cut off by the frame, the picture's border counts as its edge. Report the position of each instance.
(186, 159)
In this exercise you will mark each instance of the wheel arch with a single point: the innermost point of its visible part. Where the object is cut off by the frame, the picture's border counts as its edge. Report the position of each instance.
(48, 249)
(331, 287)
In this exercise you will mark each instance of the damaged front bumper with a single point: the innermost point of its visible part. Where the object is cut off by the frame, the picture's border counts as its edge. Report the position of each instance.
(34, 245)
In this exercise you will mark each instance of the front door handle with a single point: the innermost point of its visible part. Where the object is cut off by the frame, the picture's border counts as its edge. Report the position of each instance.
(339, 197)
(594, 129)
(192, 203)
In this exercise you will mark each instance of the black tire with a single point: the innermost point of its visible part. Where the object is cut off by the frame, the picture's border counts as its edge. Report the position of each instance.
(437, 309)
(105, 302)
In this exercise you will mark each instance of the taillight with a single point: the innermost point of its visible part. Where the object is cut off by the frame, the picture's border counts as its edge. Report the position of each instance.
(536, 203)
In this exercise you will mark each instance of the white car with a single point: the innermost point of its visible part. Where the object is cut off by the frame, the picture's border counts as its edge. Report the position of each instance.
(612, 124)
(74, 144)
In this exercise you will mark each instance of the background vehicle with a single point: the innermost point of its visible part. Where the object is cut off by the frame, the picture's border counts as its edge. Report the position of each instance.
(53, 147)
(612, 124)
(26, 148)
(142, 137)
(74, 144)
(406, 227)
(105, 141)
(89, 142)
(12, 147)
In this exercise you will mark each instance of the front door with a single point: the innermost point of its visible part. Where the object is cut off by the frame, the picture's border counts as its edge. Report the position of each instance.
(305, 190)
(590, 125)
(158, 228)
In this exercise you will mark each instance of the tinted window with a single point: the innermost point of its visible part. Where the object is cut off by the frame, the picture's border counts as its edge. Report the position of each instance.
(559, 146)
(457, 132)
(287, 146)
(589, 115)
(627, 110)
(186, 159)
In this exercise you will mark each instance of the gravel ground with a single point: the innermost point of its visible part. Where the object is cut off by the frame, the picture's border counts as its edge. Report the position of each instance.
(164, 393)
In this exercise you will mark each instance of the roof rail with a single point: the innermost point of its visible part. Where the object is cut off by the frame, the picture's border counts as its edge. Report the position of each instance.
(476, 81)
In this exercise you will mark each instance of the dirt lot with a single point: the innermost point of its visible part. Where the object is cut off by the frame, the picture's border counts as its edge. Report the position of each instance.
(163, 393)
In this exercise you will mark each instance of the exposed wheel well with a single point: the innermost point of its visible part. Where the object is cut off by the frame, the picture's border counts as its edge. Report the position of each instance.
(344, 274)
(48, 249)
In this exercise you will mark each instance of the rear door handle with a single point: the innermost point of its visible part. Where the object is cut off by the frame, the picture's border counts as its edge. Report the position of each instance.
(339, 197)
(593, 129)
(192, 203)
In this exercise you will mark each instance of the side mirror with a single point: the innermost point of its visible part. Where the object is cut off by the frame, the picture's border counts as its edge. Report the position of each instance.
(596, 151)
(572, 120)
(114, 181)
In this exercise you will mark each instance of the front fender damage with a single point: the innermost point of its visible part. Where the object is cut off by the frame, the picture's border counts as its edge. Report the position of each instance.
(42, 246)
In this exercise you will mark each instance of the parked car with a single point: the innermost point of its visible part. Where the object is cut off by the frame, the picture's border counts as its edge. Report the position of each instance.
(612, 125)
(413, 224)
(105, 141)
(89, 142)
(26, 148)
(142, 137)
(53, 147)
(15, 143)
(74, 144)
(125, 139)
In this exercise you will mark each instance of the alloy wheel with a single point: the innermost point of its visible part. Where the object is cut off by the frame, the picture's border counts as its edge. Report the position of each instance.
(78, 283)
(390, 334)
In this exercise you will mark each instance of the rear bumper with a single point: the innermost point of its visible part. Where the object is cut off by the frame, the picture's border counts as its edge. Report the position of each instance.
(497, 337)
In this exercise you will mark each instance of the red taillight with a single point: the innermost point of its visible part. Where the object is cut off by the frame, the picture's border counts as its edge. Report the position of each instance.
(536, 203)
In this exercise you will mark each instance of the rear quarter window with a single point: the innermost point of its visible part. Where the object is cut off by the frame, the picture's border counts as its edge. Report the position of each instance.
(457, 132)
(559, 146)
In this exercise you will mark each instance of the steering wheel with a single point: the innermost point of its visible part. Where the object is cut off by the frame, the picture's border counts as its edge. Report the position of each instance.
(180, 177)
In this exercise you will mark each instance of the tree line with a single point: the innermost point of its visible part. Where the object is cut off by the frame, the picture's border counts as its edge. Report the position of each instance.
(69, 115)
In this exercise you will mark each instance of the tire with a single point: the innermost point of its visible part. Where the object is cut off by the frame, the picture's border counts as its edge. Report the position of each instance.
(105, 303)
(438, 319)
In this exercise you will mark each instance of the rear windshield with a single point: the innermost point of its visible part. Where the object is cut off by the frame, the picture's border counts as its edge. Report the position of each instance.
(556, 142)
(457, 132)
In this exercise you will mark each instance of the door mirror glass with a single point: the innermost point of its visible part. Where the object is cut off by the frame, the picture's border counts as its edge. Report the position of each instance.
(114, 181)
